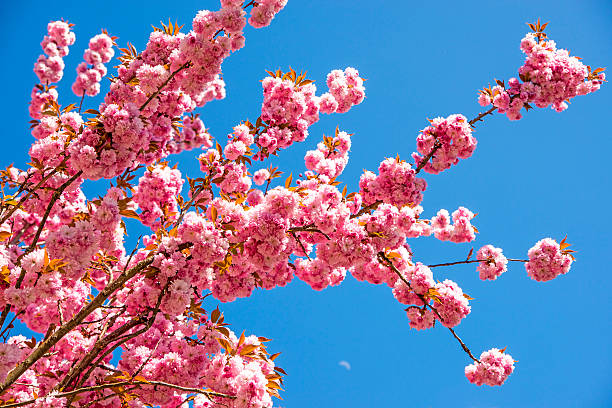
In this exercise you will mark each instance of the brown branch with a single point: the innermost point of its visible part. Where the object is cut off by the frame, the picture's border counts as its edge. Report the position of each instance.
(119, 338)
(482, 115)
(472, 261)
(293, 234)
(423, 162)
(367, 208)
(81, 104)
(208, 394)
(385, 260)
(185, 65)
(59, 333)
(187, 206)
(8, 326)
(307, 228)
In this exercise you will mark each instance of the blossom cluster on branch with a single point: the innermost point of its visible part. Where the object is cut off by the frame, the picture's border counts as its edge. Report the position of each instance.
(65, 271)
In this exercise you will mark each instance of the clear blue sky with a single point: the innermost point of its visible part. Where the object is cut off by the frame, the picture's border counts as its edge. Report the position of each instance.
(546, 175)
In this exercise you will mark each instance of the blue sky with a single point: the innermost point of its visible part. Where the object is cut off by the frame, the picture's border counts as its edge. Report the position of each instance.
(546, 175)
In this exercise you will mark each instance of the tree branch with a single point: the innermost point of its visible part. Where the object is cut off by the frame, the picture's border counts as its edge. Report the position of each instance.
(385, 260)
(208, 394)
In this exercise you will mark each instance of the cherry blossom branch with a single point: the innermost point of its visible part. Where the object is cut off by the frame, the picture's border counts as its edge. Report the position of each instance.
(31, 191)
(58, 334)
(482, 115)
(294, 235)
(81, 104)
(99, 387)
(385, 260)
(185, 65)
(188, 205)
(8, 326)
(438, 144)
(366, 209)
(120, 339)
(307, 228)
(423, 162)
(56, 196)
(472, 261)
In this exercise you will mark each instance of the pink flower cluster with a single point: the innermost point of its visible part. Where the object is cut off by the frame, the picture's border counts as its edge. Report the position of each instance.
(547, 260)
(50, 68)
(550, 77)
(175, 73)
(129, 139)
(493, 369)
(40, 98)
(156, 195)
(263, 12)
(331, 157)
(461, 230)
(239, 144)
(92, 70)
(192, 135)
(396, 184)
(261, 176)
(345, 90)
(493, 262)
(451, 303)
(447, 298)
(453, 134)
(288, 110)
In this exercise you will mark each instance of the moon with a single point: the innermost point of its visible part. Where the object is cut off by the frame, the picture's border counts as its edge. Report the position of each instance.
(345, 364)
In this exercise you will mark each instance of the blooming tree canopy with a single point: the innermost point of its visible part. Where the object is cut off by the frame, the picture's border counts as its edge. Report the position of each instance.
(238, 225)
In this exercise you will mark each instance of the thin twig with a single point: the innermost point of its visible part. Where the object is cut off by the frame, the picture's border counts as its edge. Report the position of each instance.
(385, 260)
(472, 261)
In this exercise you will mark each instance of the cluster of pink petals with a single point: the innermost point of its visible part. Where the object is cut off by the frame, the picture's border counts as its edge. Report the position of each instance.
(288, 110)
(454, 134)
(261, 176)
(452, 305)
(345, 90)
(187, 66)
(129, 139)
(53, 126)
(420, 318)
(156, 194)
(330, 160)
(92, 70)
(192, 135)
(461, 230)
(396, 184)
(240, 140)
(50, 68)
(493, 262)
(263, 12)
(493, 369)
(547, 260)
(40, 98)
(550, 77)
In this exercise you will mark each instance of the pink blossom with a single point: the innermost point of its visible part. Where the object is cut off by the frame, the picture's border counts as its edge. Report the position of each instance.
(547, 260)
(493, 369)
